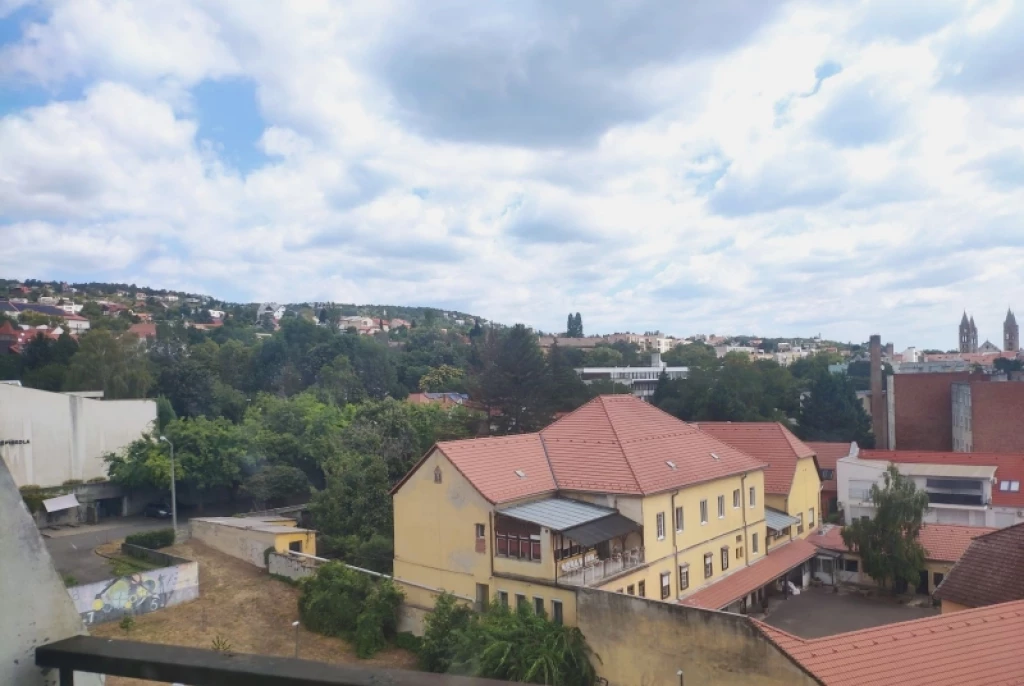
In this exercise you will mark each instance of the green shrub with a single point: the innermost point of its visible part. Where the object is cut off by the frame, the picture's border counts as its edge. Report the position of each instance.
(98, 480)
(70, 580)
(408, 641)
(33, 496)
(127, 624)
(158, 538)
(444, 627)
(337, 601)
(73, 482)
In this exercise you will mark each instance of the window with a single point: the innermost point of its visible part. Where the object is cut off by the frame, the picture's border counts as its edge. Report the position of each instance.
(850, 565)
(739, 553)
(481, 538)
(753, 497)
(721, 507)
(538, 606)
(811, 521)
(641, 589)
(660, 521)
(684, 577)
(709, 565)
(503, 598)
(937, 578)
(437, 475)
(753, 541)
(556, 611)
(631, 589)
(799, 522)
(1015, 486)
(516, 539)
(520, 600)
(1004, 485)
(736, 500)
(725, 557)
(480, 531)
(826, 474)
(703, 512)
(666, 587)
(679, 519)
(295, 546)
(483, 596)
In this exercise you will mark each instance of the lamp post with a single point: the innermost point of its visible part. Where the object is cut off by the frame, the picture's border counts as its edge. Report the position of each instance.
(680, 675)
(174, 496)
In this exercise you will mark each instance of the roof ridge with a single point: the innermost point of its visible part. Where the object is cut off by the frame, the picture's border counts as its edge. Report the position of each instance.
(618, 441)
(547, 458)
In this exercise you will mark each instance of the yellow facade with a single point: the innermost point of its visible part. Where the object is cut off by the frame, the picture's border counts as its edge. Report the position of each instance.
(803, 500)
(436, 544)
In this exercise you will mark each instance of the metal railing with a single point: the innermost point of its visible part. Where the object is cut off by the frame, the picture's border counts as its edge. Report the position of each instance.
(599, 570)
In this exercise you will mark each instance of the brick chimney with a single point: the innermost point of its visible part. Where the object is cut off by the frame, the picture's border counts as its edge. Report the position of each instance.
(878, 409)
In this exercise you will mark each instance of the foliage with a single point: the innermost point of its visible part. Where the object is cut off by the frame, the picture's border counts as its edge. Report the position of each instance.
(117, 366)
(513, 383)
(574, 326)
(443, 378)
(337, 601)
(165, 413)
(33, 496)
(1006, 366)
(833, 412)
(604, 356)
(221, 644)
(153, 540)
(276, 485)
(72, 482)
(888, 543)
(70, 580)
(443, 632)
(518, 645)
(355, 502)
(127, 623)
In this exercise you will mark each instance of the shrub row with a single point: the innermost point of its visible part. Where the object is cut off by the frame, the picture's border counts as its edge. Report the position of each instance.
(158, 538)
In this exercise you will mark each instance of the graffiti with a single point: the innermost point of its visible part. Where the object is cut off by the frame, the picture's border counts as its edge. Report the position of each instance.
(135, 594)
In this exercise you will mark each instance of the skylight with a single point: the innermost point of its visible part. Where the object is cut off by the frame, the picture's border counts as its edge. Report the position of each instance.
(520, 473)
(671, 464)
(715, 456)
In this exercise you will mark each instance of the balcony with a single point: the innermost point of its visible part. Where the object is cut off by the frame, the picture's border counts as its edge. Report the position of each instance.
(592, 570)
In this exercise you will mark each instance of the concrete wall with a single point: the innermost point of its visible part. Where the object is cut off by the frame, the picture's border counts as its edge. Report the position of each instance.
(290, 566)
(997, 415)
(644, 643)
(136, 594)
(66, 435)
(250, 544)
(35, 605)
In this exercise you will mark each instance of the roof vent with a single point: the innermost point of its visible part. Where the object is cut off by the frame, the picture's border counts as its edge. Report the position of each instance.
(715, 456)
(520, 473)
(671, 464)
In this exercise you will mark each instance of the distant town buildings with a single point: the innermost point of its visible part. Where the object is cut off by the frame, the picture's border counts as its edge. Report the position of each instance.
(969, 336)
(642, 381)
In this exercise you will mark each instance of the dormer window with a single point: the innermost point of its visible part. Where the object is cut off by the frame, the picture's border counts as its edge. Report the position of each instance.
(437, 475)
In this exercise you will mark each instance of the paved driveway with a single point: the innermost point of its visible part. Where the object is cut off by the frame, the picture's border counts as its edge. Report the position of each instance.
(819, 612)
(72, 549)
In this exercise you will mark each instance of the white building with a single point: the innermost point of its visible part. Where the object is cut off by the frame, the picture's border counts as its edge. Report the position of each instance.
(970, 489)
(76, 323)
(49, 438)
(641, 380)
(273, 309)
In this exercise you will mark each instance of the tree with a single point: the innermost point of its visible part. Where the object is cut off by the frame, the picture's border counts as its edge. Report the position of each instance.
(603, 356)
(578, 326)
(832, 412)
(888, 543)
(567, 389)
(117, 366)
(513, 382)
(355, 503)
(440, 379)
(337, 383)
(210, 454)
(188, 384)
(1006, 366)
(276, 486)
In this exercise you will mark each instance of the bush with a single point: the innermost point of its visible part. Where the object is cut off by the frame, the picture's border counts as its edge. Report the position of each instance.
(337, 601)
(408, 641)
(73, 482)
(444, 627)
(33, 496)
(277, 485)
(158, 538)
(97, 480)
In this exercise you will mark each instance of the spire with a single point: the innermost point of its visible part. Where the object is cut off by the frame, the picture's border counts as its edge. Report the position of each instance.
(963, 321)
(1010, 319)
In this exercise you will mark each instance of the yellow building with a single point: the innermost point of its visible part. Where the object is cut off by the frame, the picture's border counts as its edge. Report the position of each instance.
(248, 538)
(617, 495)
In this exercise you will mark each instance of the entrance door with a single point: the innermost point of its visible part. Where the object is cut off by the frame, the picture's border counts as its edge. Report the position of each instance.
(483, 596)
(922, 584)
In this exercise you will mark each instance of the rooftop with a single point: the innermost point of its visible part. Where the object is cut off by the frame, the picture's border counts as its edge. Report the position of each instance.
(749, 579)
(969, 648)
(941, 542)
(1009, 467)
(827, 454)
(769, 442)
(990, 571)
(264, 525)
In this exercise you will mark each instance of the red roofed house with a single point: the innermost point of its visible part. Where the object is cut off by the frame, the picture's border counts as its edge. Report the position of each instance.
(978, 647)
(617, 495)
(791, 481)
(143, 330)
(944, 545)
(970, 489)
(991, 571)
(828, 454)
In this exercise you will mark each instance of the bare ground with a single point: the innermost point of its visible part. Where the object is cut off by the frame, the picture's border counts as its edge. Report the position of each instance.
(249, 609)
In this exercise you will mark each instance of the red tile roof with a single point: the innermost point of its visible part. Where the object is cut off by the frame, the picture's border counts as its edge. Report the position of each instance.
(613, 444)
(991, 571)
(942, 542)
(769, 442)
(1009, 467)
(749, 579)
(143, 329)
(828, 454)
(969, 648)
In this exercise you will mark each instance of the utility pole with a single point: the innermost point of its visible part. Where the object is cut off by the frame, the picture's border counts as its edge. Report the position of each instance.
(174, 496)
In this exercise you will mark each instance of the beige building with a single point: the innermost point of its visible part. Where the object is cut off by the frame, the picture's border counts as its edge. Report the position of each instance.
(249, 538)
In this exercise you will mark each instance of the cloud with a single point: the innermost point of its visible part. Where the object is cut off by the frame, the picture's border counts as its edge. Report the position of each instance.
(861, 114)
(984, 55)
(1003, 169)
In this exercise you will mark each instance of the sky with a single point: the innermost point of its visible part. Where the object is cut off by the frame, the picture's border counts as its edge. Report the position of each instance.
(727, 166)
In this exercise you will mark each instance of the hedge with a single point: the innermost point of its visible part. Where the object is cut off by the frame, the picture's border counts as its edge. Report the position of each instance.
(158, 538)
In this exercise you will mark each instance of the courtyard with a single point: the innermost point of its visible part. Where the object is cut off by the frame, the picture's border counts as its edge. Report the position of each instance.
(817, 612)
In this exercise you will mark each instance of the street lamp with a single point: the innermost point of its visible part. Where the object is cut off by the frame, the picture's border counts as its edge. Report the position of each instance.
(174, 497)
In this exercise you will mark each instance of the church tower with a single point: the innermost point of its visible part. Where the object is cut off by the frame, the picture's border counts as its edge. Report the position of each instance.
(1011, 333)
(968, 335)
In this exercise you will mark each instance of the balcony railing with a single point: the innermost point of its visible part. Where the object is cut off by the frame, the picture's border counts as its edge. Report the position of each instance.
(580, 572)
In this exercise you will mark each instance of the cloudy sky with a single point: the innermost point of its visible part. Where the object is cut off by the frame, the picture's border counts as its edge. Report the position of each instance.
(708, 165)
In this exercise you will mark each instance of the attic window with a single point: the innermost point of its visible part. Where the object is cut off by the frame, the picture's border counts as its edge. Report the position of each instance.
(437, 475)
(520, 473)
(671, 464)
(1014, 486)
(1004, 485)
(715, 456)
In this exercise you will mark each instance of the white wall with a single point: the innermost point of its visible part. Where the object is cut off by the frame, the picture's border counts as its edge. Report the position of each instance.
(67, 435)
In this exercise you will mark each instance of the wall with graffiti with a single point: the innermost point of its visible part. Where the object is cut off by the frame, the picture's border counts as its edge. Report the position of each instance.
(136, 594)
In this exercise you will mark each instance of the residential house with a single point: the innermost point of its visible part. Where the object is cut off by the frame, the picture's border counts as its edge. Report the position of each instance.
(944, 545)
(991, 571)
(217, 314)
(971, 489)
(617, 495)
(76, 323)
(395, 323)
(586, 343)
(273, 309)
(976, 647)
(144, 330)
(828, 454)
(791, 481)
(442, 399)
(642, 381)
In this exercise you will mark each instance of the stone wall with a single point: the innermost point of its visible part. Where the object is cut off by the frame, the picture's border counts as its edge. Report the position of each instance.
(290, 566)
(644, 642)
(136, 594)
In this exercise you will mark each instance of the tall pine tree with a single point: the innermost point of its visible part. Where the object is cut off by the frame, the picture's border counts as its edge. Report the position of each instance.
(578, 326)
